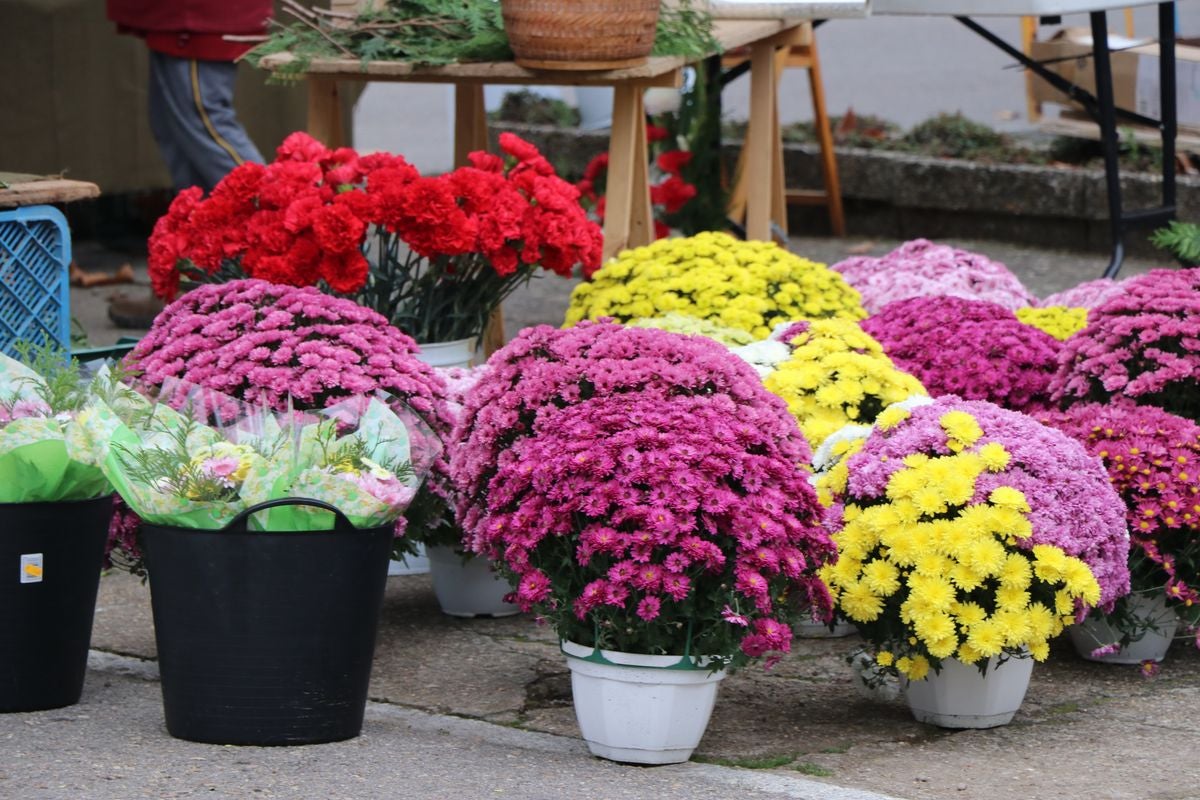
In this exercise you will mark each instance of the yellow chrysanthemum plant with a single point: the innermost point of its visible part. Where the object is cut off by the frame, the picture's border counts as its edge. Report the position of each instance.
(830, 373)
(968, 532)
(752, 286)
(1060, 322)
(674, 322)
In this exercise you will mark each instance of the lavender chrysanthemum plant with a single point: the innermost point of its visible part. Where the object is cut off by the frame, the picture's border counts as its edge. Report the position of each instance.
(643, 491)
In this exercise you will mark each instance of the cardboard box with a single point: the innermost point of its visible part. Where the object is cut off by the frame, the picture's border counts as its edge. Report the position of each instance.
(1135, 73)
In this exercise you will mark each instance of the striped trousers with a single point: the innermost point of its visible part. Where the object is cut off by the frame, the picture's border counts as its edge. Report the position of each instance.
(193, 120)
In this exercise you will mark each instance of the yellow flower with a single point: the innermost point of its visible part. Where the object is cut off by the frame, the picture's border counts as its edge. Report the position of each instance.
(1080, 581)
(884, 658)
(1048, 563)
(859, 603)
(961, 427)
(968, 654)
(994, 456)
(892, 416)
(942, 648)
(1016, 572)
(882, 577)
(1008, 497)
(968, 614)
(935, 627)
(1040, 650)
(916, 668)
(986, 638)
(1042, 621)
(1011, 598)
(930, 592)
(1060, 322)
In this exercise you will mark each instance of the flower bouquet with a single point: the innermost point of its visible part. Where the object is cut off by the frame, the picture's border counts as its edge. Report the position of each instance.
(831, 374)
(1143, 345)
(970, 348)
(266, 537)
(968, 536)
(747, 285)
(55, 506)
(1151, 457)
(435, 255)
(921, 268)
(642, 491)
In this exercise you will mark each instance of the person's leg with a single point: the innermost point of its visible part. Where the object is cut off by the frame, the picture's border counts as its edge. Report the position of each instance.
(198, 116)
(165, 126)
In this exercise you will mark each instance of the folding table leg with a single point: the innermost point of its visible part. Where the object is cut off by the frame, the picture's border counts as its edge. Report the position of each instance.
(627, 221)
(1107, 119)
(325, 111)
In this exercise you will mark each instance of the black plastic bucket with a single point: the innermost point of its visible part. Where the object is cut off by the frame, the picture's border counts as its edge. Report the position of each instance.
(266, 638)
(50, 560)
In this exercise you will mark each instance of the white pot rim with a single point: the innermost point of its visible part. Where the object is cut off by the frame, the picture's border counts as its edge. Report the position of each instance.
(619, 658)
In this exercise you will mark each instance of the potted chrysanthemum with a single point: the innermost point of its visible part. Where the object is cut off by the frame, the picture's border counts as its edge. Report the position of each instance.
(646, 496)
(968, 536)
(1152, 458)
(921, 268)
(713, 276)
(1141, 345)
(974, 349)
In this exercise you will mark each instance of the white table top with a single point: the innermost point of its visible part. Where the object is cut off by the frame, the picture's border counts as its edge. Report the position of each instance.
(788, 9)
(999, 8)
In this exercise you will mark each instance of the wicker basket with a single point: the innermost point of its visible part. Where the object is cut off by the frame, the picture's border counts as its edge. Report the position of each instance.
(580, 34)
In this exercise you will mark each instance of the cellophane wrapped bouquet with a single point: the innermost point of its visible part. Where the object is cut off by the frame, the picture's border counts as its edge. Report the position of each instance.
(195, 458)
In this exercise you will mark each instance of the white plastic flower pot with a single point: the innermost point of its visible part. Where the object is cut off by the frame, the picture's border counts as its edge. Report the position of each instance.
(1154, 628)
(640, 709)
(470, 589)
(457, 353)
(807, 628)
(959, 697)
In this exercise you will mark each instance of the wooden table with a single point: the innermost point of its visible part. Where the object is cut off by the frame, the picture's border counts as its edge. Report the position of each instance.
(627, 221)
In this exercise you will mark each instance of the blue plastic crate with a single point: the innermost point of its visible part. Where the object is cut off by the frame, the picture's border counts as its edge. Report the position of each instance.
(35, 254)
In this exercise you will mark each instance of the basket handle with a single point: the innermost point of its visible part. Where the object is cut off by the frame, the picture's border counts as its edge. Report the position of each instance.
(239, 524)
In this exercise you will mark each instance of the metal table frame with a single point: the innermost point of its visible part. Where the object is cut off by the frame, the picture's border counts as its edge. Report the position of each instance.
(1102, 108)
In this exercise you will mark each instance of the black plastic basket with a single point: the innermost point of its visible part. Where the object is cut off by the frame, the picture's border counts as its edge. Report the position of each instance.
(50, 560)
(266, 638)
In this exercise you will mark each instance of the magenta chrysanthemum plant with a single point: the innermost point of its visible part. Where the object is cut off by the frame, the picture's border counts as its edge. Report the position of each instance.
(643, 491)
(1088, 294)
(277, 345)
(1143, 345)
(1153, 461)
(965, 530)
(970, 348)
(921, 268)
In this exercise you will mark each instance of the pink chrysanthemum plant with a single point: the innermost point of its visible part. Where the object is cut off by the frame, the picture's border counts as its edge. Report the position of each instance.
(1143, 345)
(282, 346)
(1153, 460)
(643, 492)
(830, 373)
(969, 348)
(921, 268)
(970, 532)
(1088, 294)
